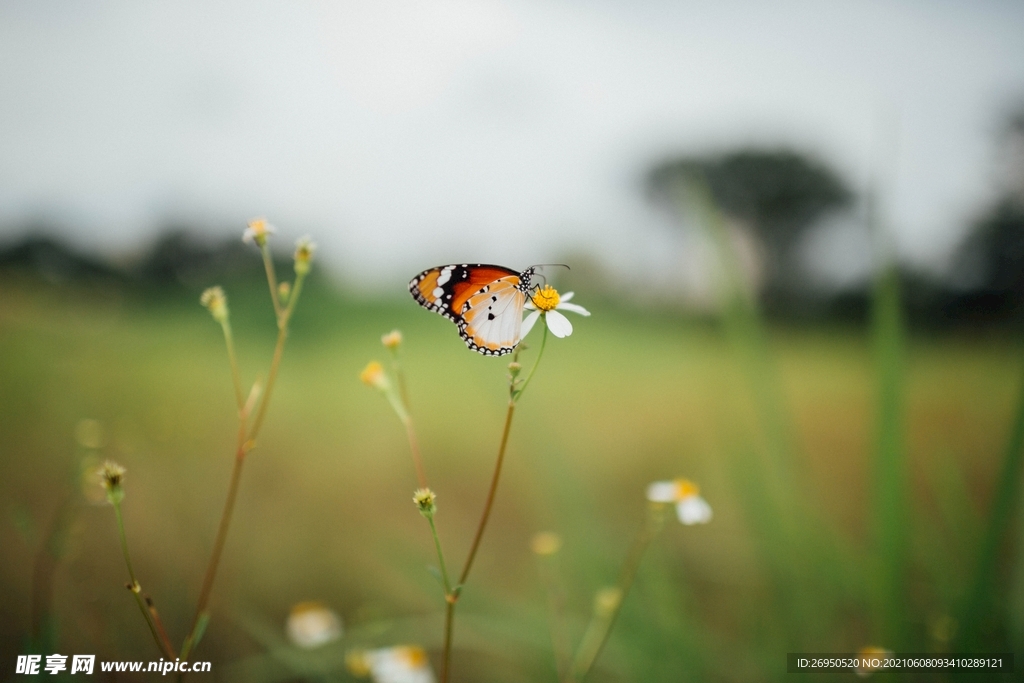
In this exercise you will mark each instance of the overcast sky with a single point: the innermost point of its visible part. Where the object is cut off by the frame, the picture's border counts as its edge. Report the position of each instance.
(406, 133)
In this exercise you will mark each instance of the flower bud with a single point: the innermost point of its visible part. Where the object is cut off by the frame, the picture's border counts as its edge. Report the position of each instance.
(111, 477)
(373, 376)
(392, 340)
(425, 501)
(258, 231)
(304, 249)
(216, 302)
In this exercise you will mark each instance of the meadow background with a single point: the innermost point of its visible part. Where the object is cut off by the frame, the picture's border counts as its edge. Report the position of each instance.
(838, 363)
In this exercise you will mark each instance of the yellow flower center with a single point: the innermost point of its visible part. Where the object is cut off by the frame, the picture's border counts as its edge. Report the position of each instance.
(413, 656)
(373, 375)
(546, 298)
(686, 488)
(258, 227)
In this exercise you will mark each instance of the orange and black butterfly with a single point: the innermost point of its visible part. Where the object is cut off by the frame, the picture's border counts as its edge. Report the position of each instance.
(485, 301)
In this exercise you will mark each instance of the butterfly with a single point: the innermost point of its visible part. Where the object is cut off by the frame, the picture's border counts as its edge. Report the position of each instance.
(485, 301)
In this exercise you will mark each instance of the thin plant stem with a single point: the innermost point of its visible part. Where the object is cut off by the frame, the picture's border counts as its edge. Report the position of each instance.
(268, 265)
(490, 494)
(516, 393)
(236, 377)
(440, 559)
(218, 548)
(488, 504)
(163, 645)
(282, 336)
(600, 626)
(406, 416)
(244, 445)
(449, 618)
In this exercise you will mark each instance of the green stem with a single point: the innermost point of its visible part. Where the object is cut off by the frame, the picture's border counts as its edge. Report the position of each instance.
(450, 614)
(236, 377)
(268, 265)
(1007, 492)
(218, 549)
(282, 336)
(490, 495)
(243, 447)
(440, 559)
(449, 619)
(135, 588)
(400, 403)
(516, 393)
(600, 626)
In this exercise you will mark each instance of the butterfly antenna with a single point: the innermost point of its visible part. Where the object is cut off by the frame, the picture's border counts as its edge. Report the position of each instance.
(558, 265)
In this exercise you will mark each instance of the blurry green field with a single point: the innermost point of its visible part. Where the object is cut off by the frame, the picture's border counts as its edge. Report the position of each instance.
(325, 508)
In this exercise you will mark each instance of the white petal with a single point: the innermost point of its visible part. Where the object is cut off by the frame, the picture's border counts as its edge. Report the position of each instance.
(693, 510)
(572, 307)
(567, 296)
(662, 492)
(528, 324)
(558, 324)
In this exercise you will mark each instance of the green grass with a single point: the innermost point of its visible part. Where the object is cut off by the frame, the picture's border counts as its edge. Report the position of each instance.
(791, 559)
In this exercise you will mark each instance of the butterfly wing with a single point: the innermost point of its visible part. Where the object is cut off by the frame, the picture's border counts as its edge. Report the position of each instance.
(468, 293)
(491, 319)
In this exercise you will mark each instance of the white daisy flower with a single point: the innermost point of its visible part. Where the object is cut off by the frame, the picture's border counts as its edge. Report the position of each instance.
(258, 231)
(398, 664)
(685, 495)
(547, 302)
(312, 624)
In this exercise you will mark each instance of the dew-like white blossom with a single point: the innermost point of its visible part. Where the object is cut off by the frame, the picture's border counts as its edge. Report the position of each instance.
(685, 495)
(546, 303)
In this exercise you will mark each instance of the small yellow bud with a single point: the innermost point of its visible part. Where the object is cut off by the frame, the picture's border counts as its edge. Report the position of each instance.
(425, 501)
(304, 249)
(514, 368)
(606, 601)
(686, 488)
(392, 340)
(373, 376)
(258, 231)
(111, 477)
(546, 298)
(216, 302)
(284, 290)
(546, 543)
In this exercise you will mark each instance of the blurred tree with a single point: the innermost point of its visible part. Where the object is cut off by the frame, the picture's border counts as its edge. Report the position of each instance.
(181, 255)
(990, 262)
(52, 259)
(777, 194)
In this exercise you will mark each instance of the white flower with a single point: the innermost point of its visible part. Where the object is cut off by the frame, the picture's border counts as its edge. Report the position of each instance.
(258, 231)
(547, 302)
(312, 624)
(399, 664)
(690, 507)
